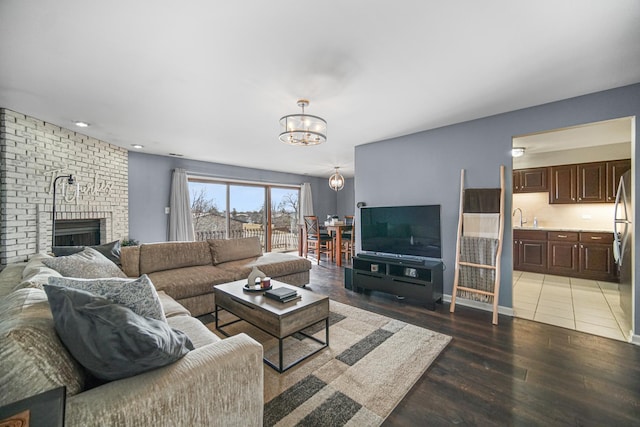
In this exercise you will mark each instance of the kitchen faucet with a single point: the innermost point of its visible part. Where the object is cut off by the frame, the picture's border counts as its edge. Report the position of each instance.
(522, 221)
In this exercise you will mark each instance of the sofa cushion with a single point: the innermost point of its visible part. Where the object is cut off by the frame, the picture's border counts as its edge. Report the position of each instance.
(273, 264)
(32, 357)
(34, 264)
(38, 278)
(138, 294)
(9, 276)
(87, 264)
(110, 250)
(171, 307)
(171, 255)
(35, 273)
(224, 250)
(190, 281)
(198, 333)
(110, 340)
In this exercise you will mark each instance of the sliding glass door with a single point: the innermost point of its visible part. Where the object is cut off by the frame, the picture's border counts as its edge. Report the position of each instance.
(284, 219)
(233, 210)
(247, 214)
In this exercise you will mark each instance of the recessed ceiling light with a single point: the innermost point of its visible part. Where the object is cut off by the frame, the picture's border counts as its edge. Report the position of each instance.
(81, 124)
(138, 146)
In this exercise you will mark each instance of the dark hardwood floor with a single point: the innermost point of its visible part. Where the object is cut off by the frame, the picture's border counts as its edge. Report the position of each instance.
(517, 373)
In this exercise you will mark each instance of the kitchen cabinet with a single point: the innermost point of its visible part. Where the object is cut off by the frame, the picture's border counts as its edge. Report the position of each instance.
(533, 180)
(531, 247)
(615, 170)
(562, 250)
(564, 184)
(596, 256)
(583, 254)
(594, 182)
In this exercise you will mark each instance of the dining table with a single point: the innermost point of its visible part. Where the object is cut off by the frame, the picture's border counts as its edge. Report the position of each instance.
(337, 231)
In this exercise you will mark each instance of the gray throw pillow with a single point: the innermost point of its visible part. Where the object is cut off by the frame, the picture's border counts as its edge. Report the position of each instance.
(87, 264)
(138, 294)
(110, 250)
(110, 340)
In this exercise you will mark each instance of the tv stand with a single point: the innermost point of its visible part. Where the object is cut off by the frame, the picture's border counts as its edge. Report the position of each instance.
(401, 277)
(404, 260)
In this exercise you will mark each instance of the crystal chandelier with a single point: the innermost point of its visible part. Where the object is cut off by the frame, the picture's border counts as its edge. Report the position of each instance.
(303, 129)
(336, 181)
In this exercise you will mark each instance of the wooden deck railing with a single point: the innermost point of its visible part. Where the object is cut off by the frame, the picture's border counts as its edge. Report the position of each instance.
(281, 241)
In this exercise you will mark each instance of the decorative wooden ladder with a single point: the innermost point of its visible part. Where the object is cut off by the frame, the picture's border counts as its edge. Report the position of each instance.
(479, 244)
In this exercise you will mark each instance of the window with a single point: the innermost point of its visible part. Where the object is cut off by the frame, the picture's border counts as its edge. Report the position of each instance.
(235, 210)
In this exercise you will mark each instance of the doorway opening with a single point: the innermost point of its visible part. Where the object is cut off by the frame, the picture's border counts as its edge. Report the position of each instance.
(564, 189)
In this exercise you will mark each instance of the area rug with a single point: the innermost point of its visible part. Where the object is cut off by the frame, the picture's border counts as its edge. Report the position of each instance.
(371, 363)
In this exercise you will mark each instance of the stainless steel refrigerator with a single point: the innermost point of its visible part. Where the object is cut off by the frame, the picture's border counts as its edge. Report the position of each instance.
(622, 244)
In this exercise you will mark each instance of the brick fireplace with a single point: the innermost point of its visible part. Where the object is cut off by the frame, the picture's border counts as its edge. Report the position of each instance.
(32, 154)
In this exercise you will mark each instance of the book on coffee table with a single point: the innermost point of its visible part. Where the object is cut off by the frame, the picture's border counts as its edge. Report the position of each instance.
(281, 294)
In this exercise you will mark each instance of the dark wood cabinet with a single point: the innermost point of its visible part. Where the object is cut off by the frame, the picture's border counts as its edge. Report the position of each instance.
(596, 256)
(595, 182)
(534, 180)
(592, 182)
(615, 170)
(532, 250)
(566, 253)
(564, 184)
(562, 251)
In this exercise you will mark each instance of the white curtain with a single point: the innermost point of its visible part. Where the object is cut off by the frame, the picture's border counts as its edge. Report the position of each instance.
(306, 202)
(180, 219)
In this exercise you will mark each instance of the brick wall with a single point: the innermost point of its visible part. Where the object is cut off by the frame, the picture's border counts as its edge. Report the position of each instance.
(32, 154)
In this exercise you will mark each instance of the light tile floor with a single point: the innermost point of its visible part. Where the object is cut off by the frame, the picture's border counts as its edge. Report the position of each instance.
(583, 305)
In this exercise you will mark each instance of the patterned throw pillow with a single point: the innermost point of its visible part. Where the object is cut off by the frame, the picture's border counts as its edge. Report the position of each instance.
(138, 294)
(88, 264)
(110, 340)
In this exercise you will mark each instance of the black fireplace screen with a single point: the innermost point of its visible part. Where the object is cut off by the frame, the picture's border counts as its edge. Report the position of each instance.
(77, 232)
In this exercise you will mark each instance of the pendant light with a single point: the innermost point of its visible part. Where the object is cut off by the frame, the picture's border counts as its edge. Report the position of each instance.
(336, 181)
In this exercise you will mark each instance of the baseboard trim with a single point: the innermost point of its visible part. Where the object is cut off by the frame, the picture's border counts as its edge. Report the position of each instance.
(635, 339)
(508, 311)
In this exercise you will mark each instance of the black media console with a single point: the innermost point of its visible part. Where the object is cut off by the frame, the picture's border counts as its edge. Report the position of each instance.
(406, 278)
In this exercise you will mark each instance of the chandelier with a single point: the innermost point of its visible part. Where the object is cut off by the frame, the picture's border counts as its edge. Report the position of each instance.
(336, 181)
(303, 129)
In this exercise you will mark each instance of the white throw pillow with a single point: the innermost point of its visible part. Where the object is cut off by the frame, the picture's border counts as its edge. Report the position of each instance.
(88, 264)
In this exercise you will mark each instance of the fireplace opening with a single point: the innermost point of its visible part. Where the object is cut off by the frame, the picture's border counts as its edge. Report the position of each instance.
(77, 232)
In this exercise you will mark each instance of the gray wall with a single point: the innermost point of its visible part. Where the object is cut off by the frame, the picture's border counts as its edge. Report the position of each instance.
(346, 199)
(426, 166)
(150, 187)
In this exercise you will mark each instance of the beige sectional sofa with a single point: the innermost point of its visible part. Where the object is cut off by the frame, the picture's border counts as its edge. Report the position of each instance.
(187, 271)
(219, 383)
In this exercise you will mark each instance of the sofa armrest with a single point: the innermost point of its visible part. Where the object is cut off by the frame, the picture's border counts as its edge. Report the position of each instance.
(130, 260)
(219, 384)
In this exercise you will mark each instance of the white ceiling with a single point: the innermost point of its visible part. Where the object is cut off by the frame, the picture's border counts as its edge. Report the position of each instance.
(210, 79)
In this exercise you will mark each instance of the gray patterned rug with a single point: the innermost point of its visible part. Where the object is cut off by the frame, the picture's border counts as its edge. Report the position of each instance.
(371, 363)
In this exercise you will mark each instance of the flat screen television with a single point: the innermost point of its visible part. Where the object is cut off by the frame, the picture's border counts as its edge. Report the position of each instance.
(401, 231)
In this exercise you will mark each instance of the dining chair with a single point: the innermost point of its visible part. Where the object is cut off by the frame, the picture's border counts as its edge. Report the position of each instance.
(316, 241)
(348, 238)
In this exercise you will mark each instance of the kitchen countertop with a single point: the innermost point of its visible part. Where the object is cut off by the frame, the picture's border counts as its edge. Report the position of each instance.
(568, 229)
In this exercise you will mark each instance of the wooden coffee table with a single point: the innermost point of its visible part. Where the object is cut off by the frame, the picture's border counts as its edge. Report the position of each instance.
(278, 319)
